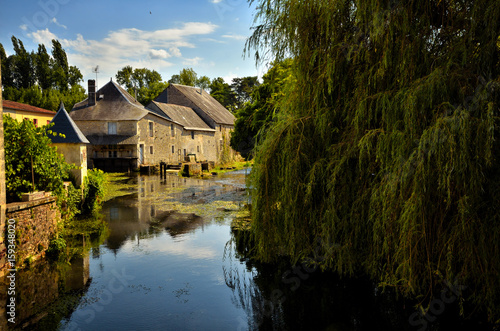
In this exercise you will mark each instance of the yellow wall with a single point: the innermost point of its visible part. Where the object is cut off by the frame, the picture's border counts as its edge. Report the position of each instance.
(77, 155)
(19, 115)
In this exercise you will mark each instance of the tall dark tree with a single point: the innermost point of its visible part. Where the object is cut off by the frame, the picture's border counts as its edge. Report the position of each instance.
(33, 78)
(60, 66)
(384, 156)
(253, 118)
(42, 68)
(23, 76)
(222, 92)
(243, 88)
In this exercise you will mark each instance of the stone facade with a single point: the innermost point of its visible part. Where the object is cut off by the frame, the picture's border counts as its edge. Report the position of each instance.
(36, 223)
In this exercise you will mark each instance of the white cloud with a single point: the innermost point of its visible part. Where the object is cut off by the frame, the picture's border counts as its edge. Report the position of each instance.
(23, 27)
(234, 36)
(158, 54)
(54, 20)
(131, 46)
(216, 1)
(175, 51)
(192, 62)
(42, 36)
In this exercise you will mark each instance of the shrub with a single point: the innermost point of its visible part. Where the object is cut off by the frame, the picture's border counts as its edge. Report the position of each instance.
(94, 191)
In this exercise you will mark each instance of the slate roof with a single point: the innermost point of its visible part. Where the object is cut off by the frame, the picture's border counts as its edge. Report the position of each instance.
(184, 116)
(65, 125)
(115, 105)
(24, 107)
(203, 100)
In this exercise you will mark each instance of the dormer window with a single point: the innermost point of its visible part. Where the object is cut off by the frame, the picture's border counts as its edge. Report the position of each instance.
(111, 127)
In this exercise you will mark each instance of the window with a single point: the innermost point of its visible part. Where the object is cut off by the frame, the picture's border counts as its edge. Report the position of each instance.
(192, 134)
(150, 149)
(35, 121)
(172, 130)
(112, 153)
(111, 128)
(173, 149)
(150, 129)
(198, 148)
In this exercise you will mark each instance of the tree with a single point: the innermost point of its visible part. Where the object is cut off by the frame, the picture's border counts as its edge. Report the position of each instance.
(39, 79)
(203, 82)
(382, 159)
(189, 77)
(42, 68)
(60, 66)
(243, 88)
(147, 84)
(23, 76)
(222, 92)
(31, 147)
(253, 118)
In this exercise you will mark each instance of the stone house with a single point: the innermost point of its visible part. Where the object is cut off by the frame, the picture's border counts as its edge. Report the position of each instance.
(183, 123)
(216, 116)
(123, 134)
(72, 143)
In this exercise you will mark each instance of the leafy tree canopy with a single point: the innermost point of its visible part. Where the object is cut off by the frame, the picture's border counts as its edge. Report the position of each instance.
(30, 146)
(253, 119)
(38, 78)
(383, 158)
(143, 83)
(222, 92)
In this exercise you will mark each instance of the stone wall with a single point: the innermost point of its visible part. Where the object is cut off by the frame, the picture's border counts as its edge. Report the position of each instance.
(162, 141)
(127, 128)
(36, 223)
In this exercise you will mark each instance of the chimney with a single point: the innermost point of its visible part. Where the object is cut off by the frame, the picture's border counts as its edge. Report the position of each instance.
(91, 89)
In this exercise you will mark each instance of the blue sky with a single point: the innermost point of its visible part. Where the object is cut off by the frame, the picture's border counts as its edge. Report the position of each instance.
(164, 35)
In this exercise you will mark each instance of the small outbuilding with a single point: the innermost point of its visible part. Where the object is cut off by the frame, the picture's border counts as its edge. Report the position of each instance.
(70, 142)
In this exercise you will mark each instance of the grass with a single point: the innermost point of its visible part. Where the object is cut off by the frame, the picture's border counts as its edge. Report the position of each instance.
(238, 165)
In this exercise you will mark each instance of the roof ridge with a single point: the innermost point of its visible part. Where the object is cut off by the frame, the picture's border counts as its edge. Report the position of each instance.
(125, 93)
(26, 105)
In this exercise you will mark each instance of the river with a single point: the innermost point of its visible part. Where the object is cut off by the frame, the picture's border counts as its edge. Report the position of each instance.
(168, 263)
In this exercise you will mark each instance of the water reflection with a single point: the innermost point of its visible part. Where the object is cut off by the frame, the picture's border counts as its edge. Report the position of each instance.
(154, 206)
(41, 299)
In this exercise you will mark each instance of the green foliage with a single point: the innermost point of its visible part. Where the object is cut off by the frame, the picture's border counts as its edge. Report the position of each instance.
(57, 247)
(243, 88)
(94, 191)
(39, 79)
(27, 146)
(222, 92)
(383, 157)
(141, 82)
(189, 77)
(253, 119)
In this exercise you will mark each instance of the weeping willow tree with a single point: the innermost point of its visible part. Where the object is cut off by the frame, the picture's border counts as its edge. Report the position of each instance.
(384, 158)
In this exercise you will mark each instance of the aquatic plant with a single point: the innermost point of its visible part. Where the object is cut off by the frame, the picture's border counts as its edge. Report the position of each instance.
(383, 157)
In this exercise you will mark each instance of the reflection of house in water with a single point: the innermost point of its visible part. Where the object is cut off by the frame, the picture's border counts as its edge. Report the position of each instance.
(145, 212)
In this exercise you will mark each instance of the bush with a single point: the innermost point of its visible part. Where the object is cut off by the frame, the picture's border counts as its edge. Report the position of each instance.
(28, 146)
(94, 191)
